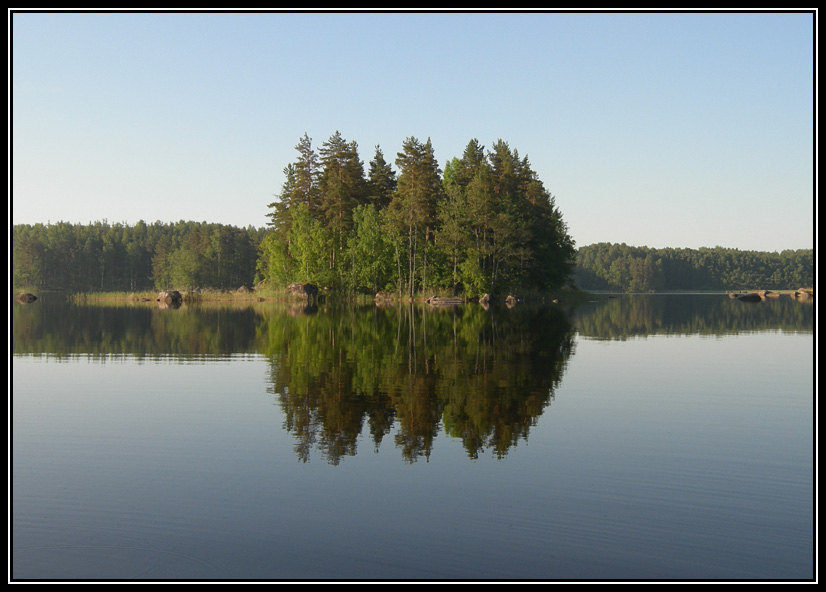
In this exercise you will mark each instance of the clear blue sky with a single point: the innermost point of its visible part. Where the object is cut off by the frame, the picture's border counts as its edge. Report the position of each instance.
(661, 130)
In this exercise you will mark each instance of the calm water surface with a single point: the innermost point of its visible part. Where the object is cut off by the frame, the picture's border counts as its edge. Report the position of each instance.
(639, 437)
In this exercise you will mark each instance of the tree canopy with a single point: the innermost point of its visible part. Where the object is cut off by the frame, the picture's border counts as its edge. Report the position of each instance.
(486, 224)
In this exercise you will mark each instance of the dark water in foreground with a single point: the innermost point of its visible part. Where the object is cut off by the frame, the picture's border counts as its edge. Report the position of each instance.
(639, 437)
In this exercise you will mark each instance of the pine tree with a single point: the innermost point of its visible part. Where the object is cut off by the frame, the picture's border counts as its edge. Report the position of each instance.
(307, 173)
(342, 188)
(414, 204)
(280, 214)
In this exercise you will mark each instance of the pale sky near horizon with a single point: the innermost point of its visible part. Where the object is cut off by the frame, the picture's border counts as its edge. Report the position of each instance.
(668, 129)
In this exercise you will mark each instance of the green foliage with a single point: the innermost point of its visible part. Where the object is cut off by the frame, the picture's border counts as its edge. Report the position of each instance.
(310, 246)
(116, 257)
(414, 205)
(275, 262)
(486, 224)
(381, 181)
(619, 267)
(370, 251)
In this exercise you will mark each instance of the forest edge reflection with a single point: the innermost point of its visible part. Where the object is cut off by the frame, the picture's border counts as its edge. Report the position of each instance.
(482, 376)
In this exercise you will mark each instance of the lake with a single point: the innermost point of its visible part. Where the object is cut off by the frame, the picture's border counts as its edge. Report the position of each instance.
(638, 437)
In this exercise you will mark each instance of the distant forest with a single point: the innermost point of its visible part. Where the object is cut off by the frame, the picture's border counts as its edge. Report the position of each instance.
(484, 224)
(103, 257)
(619, 267)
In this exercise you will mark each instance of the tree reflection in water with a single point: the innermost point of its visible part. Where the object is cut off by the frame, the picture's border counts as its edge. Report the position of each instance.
(482, 376)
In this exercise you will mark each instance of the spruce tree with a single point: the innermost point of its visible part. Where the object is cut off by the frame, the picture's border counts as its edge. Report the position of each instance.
(381, 181)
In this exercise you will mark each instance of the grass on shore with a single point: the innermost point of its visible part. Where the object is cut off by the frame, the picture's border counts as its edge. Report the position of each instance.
(279, 294)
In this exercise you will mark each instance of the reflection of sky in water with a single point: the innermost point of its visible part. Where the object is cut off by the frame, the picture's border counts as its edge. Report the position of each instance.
(122, 396)
(751, 394)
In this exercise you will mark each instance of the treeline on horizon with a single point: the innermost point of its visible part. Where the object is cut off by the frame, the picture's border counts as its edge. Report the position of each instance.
(623, 268)
(104, 257)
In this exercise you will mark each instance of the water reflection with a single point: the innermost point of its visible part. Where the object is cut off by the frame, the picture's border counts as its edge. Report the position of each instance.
(621, 317)
(481, 376)
(143, 330)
